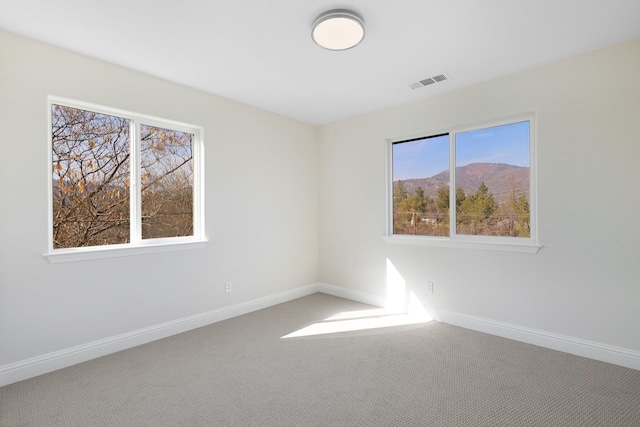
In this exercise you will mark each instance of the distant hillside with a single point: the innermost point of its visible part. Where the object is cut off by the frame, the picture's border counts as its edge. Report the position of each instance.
(496, 176)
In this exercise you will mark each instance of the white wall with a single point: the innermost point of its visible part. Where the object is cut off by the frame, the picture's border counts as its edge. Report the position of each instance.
(585, 281)
(261, 208)
(288, 204)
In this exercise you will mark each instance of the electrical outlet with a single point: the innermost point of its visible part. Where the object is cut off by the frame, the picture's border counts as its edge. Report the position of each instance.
(430, 287)
(227, 286)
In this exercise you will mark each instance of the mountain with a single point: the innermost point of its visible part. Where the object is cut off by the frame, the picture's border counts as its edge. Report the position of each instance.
(496, 176)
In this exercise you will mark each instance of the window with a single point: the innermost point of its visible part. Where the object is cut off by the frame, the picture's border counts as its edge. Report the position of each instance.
(121, 180)
(487, 202)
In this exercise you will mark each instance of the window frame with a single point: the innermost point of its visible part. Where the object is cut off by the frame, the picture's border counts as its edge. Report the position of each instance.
(136, 245)
(499, 243)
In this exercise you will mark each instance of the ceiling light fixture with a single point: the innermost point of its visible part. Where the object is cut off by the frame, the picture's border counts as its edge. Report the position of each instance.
(338, 29)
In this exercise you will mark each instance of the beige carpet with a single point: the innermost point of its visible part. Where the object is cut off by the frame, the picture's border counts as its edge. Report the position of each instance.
(241, 372)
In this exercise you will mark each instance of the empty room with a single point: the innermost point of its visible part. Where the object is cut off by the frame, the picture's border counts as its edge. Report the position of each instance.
(294, 213)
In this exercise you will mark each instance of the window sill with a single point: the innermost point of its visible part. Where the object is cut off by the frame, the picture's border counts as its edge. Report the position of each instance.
(112, 251)
(510, 246)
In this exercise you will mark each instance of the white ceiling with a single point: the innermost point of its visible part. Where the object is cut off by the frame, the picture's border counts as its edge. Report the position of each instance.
(260, 51)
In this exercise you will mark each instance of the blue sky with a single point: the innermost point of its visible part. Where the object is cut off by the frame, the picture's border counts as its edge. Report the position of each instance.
(427, 157)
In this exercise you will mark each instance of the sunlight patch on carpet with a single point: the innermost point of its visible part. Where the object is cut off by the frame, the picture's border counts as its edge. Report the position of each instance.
(359, 320)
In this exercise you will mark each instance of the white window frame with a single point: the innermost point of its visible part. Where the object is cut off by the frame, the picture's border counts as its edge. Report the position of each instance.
(498, 243)
(137, 245)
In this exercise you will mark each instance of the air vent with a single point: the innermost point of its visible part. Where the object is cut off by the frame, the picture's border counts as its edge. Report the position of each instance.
(429, 81)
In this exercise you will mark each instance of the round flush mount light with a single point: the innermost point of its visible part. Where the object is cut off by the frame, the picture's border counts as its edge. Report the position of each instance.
(338, 29)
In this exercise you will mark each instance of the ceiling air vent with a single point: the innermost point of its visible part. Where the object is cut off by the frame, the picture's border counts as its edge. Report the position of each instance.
(429, 81)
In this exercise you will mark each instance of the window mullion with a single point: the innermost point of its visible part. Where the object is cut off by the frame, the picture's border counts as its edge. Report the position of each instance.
(452, 184)
(198, 216)
(135, 189)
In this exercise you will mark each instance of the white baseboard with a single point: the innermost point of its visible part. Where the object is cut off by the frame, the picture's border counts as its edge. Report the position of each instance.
(350, 294)
(43, 364)
(579, 347)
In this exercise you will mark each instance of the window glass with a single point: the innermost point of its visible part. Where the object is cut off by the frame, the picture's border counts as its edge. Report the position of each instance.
(166, 181)
(492, 181)
(90, 166)
(421, 186)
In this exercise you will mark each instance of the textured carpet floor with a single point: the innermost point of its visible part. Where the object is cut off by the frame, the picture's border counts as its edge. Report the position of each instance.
(241, 372)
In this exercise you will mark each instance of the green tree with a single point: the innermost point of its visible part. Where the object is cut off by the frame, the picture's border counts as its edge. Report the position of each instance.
(475, 210)
(460, 196)
(523, 228)
(513, 215)
(484, 201)
(441, 212)
(442, 200)
(419, 200)
(409, 212)
(399, 193)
